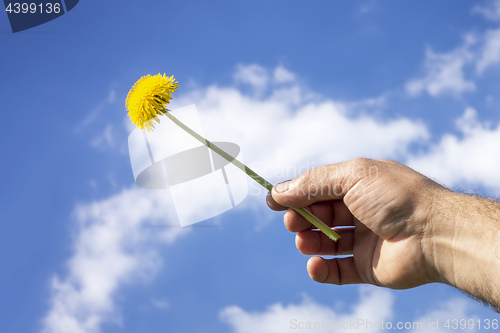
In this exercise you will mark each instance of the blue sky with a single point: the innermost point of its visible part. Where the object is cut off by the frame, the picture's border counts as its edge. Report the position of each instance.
(295, 84)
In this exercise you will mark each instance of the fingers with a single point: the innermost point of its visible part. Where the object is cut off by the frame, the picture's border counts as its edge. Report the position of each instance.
(335, 271)
(273, 204)
(333, 213)
(329, 182)
(314, 242)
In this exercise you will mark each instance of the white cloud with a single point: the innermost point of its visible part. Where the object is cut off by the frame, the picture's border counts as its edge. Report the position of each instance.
(446, 312)
(95, 114)
(491, 11)
(368, 6)
(290, 126)
(291, 129)
(161, 304)
(97, 124)
(259, 78)
(105, 139)
(374, 307)
(489, 55)
(283, 75)
(373, 312)
(444, 72)
(112, 96)
(451, 73)
(254, 75)
(113, 246)
(470, 157)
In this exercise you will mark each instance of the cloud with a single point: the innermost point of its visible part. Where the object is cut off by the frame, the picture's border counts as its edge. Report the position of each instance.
(95, 114)
(368, 6)
(283, 75)
(469, 157)
(452, 73)
(373, 312)
(288, 127)
(113, 246)
(489, 54)
(491, 11)
(446, 312)
(97, 127)
(253, 75)
(374, 306)
(444, 72)
(161, 304)
(105, 139)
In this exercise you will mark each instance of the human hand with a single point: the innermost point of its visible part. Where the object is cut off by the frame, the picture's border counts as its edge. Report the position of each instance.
(389, 209)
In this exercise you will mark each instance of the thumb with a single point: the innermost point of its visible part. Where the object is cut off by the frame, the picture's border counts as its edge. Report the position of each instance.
(330, 182)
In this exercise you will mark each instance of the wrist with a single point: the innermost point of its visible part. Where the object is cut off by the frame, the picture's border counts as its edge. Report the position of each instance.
(437, 236)
(462, 244)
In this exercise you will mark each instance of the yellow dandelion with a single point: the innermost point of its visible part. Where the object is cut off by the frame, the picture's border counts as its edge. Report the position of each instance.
(148, 97)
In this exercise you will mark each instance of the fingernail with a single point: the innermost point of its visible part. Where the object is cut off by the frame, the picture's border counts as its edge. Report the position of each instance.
(282, 187)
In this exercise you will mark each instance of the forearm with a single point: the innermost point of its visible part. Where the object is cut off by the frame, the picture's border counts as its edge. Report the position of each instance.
(464, 245)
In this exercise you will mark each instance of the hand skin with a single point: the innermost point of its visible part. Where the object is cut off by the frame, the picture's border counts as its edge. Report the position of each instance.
(405, 229)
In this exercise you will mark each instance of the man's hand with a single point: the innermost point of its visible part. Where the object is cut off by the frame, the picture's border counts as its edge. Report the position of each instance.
(402, 229)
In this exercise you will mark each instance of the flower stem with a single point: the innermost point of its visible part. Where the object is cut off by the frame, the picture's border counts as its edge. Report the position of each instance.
(267, 185)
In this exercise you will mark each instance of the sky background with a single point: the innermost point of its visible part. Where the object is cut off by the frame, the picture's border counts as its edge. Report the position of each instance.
(296, 84)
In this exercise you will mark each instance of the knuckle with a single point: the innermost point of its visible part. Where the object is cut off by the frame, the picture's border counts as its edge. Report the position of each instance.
(362, 162)
(385, 160)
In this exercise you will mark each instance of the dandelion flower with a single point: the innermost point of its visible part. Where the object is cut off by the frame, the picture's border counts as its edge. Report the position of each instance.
(148, 97)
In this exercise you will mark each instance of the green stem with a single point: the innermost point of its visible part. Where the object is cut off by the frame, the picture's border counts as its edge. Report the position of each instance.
(267, 185)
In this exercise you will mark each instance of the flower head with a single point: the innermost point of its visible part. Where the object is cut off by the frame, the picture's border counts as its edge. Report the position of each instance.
(148, 97)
